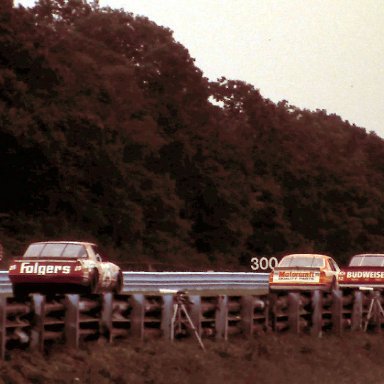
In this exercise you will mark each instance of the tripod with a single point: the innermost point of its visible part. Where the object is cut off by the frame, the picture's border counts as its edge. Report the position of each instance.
(179, 309)
(375, 307)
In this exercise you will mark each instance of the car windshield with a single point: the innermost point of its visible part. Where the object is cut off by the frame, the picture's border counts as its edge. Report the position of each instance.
(302, 261)
(367, 261)
(63, 250)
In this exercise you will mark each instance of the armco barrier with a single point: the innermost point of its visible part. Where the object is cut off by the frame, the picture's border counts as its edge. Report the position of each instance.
(73, 319)
(142, 282)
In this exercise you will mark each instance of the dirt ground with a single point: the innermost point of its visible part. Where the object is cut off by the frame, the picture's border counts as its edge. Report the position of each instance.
(352, 358)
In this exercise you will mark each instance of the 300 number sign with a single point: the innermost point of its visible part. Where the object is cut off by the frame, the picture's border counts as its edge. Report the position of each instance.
(263, 263)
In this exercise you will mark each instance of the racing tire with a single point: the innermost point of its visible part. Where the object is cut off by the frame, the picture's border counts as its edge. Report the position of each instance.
(119, 283)
(93, 281)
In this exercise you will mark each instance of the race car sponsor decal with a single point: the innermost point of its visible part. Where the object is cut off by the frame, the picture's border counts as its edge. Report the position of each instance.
(366, 275)
(44, 269)
(296, 276)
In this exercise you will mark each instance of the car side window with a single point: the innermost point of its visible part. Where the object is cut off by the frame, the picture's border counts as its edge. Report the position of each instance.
(332, 264)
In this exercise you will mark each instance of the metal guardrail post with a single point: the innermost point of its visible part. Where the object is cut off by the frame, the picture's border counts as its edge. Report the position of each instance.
(357, 312)
(72, 320)
(166, 316)
(106, 315)
(222, 318)
(137, 319)
(337, 312)
(317, 313)
(37, 331)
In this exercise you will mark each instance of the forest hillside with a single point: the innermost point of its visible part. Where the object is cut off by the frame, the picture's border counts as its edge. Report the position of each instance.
(110, 133)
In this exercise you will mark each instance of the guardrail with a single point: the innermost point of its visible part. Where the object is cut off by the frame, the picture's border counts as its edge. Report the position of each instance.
(191, 281)
(39, 321)
(5, 284)
(216, 305)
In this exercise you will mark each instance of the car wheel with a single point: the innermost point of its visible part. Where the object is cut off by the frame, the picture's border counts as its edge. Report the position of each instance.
(119, 283)
(93, 281)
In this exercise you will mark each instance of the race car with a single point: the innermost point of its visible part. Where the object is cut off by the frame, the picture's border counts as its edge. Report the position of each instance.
(63, 267)
(364, 271)
(304, 272)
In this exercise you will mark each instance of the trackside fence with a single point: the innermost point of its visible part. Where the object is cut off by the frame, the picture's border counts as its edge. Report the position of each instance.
(39, 321)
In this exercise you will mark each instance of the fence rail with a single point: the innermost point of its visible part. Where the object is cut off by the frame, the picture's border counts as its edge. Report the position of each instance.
(193, 281)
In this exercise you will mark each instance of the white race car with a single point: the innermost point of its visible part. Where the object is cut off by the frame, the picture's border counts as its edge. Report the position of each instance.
(305, 272)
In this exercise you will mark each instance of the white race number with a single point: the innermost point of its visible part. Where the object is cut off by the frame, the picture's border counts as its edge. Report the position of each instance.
(263, 263)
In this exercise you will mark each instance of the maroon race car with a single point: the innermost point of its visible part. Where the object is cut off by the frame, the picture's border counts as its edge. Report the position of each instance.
(65, 267)
(364, 271)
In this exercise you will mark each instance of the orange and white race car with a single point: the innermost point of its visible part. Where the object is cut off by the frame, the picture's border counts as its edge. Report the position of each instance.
(65, 267)
(304, 272)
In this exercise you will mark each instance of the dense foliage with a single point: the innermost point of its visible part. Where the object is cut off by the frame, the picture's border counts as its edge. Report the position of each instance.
(109, 132)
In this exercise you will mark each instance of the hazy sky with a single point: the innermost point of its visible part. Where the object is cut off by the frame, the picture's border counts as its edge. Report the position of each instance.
(325, 54)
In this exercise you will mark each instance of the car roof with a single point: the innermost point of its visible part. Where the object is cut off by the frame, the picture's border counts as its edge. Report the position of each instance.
(64, 242)
(309, 255)
(368, 255)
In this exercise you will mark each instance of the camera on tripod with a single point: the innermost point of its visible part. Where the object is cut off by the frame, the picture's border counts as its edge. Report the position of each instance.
(375, 309)
(181, 317)
(181, 297)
